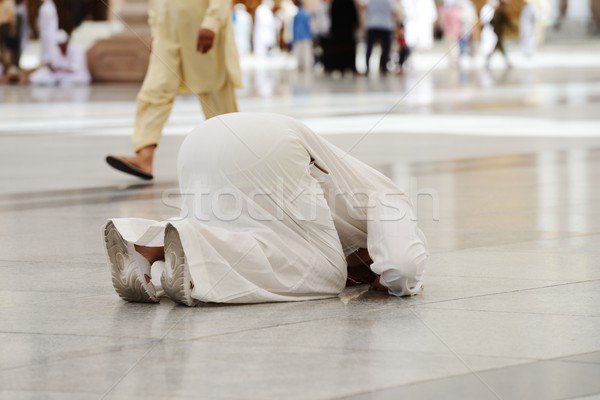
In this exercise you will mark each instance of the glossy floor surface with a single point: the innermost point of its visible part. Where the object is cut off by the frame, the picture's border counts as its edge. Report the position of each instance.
(504, 167)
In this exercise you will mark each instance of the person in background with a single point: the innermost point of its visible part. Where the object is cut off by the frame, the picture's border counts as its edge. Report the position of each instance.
(403, 49)
(265, 28)
(242, 25)
(488, 39)
(68, 66)
(322, 26)
(340, 50)
(8, 32)
(48, 28)
(451, 25)
(528, 30)
(193, 50)
(420, 16)
(468, 21)
(23, 29)
(302, 40)
(500, 23)
(380, 24)
(286, 13)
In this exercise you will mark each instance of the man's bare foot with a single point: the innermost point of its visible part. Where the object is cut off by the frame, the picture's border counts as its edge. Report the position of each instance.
(139, 165)
(142, 159)
(151, 254)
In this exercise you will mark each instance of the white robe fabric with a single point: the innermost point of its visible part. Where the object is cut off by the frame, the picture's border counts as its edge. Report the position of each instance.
(271, 210)
(242, 28)
(71, 69)
(264, 30)
(420, 16)
(488, 40)
(528, 29)
(287, 12)
(48, 27)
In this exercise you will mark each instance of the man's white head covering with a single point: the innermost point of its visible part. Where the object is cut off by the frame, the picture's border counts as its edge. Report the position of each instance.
(62, 37)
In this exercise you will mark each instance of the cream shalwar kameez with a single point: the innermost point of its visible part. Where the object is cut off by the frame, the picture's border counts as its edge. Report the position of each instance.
(271, 210)
(176, 65)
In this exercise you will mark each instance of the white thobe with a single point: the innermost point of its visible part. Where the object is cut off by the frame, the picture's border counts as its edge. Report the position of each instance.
(71, 69)
(48, 26)
(488, 40)
(527, 29)
(243, 30)
(287, 13)
(264, 30)
(420, 16)
(271, 210)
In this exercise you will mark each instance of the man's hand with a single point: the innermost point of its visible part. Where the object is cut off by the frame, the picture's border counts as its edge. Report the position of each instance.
(206, 39)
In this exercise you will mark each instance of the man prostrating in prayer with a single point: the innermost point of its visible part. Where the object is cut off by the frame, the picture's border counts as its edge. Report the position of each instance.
(270, 212)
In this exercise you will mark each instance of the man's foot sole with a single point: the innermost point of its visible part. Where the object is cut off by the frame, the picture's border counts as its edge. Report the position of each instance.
(128, 168)
(130, 279)
(176, 279)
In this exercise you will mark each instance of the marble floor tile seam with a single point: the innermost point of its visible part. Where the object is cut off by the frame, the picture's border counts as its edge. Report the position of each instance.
(452, 207)
(65, 260)
(484, 248)
(508, 278)
(65, 203)
(505, 247)
(487, 164)
(72, 296)
(427, 307)
(74, 335)
(213, 339)
(529, 289)
(574, 361)
(144, 355)
(589, 396)
(51, 361)
(265, 327)
(45, 394)
(346, 348)
(45, 263)
(473, 372)
(64, 194)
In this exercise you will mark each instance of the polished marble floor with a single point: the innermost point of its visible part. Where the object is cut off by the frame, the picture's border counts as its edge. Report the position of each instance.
(504, 167)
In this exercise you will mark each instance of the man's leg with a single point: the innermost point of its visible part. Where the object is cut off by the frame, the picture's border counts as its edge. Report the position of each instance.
(222, 101)
(503, 51)
(154, 103)
(386, 45)
(370, 42)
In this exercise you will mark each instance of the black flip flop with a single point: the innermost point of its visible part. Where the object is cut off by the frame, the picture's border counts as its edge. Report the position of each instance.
(128, 168)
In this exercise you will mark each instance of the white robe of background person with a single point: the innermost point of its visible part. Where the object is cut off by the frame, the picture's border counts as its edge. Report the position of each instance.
(48, 28)
(242, 26)
(72, 69)
(265, 28)
(271, 210)
(488, 40)
(532, 25)
(420, 15)
(287, 12)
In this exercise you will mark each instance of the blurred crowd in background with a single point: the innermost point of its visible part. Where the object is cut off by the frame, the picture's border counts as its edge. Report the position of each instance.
(322, 35)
